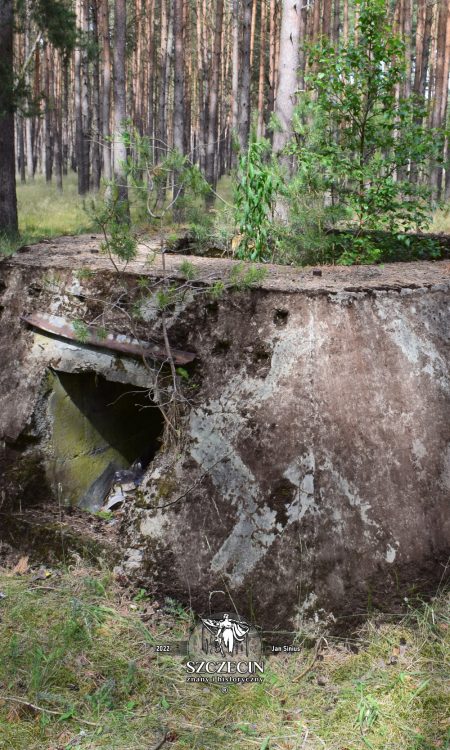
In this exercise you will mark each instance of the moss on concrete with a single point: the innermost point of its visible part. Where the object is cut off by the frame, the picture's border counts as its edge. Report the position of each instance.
(79, 452)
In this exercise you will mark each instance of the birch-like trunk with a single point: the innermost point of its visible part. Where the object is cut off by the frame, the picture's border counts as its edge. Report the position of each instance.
(288, 73)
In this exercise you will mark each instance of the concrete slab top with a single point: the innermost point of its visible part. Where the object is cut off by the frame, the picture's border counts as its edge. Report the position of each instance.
(83, 252)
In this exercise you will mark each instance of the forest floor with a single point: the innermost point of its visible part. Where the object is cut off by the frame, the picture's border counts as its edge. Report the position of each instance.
(45, 213)
(78, 670)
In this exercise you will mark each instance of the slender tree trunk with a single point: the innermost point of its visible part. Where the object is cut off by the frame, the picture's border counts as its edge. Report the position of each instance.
(244, 100)
(96, 113)
(178, 99)
(82, 101)
(151, 76)
(85, 99)
(106, 88)
(187, 77)
(58, 153)
(66, 125)
(316, 19)
(49, 105)
(200, 89)
(28, 119)
(235, 70)
(164, 69)
(288, 79)
(178, 108)
(77, 104)
(211, 150)
(120, 112)
(406, 36)
(57, 123)
(301, 49)
(336, 22)
(345, 22)
(441, 83)
(272, 62)
(21, 145)
(262, 68)
(205, 82)
(8, 200)
(253, 33)
(326, 18)
(423, 38)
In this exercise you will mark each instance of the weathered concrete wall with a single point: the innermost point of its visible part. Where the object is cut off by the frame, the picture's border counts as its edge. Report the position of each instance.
(313, 478)
(324, 430)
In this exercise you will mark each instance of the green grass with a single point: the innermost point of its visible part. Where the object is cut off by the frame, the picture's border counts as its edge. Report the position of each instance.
(78, 647)
(44, 212)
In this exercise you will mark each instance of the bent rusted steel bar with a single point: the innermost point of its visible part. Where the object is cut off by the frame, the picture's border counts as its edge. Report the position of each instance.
(117, 342)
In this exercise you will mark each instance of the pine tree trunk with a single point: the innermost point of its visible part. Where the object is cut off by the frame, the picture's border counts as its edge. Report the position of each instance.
(441, 84)
(28, 119)
(178, 106)
(187, 77)
(288, 80)
(85, 99)
(200, 89)
(151, 77)
(57, 138)
(96, 115)
(178, 100)
(244, 98)
(49, 104)
(272, 34)
(326, 18)
(211, 149)
(205, 49)
(66, 125)
(21, 148)
(345, 22)
(336, 22)
(262, 68)
(235, 69)
(8, 200)
(406, 36)
(82, 102)
(106, 88)
(253, 33)
(120, 112)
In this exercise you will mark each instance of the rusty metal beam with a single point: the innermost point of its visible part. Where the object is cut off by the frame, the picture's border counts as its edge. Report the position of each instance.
(117, 342)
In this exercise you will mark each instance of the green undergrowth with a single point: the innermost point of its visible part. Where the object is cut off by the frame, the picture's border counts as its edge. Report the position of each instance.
(45, 213)
(77, 645)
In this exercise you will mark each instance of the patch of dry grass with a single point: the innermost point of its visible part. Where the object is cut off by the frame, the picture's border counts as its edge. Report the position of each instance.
(441, 220)
(79, 646)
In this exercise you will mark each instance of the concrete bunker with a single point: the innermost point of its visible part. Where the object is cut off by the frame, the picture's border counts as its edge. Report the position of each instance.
(312, 480)
(97, 427)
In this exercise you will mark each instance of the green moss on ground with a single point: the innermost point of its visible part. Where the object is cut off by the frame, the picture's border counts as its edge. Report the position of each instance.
(76, 644)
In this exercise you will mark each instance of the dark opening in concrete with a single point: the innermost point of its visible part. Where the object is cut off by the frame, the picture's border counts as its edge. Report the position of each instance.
(98, 427)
